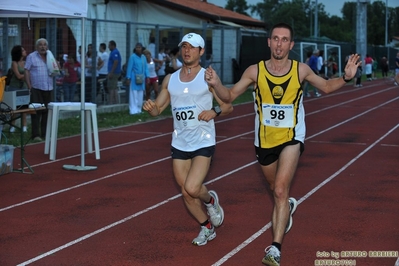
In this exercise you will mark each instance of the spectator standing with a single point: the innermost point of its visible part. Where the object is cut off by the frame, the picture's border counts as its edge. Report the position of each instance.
(152, 83)
(375, 66)
(40, 84)
(164, 57)
(397, 64)
(313, 64)
(384, 64)
(17, 82)
(330, 70)
(114, 72)
(151, 47)
(61, 60)
(70, 78)
(332, 65)
(102, 66)
(368, 66)
(321, 64)
(305, 83)
(279, 140)
(358, 76)
(194, 136)
(137, 75)
(89, 75)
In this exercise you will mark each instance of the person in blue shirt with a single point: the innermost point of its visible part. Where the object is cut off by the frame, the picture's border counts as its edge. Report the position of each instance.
(137, 77)
(114, 72)
(313, 62)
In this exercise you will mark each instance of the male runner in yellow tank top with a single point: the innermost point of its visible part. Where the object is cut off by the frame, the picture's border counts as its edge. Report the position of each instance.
(279, 120)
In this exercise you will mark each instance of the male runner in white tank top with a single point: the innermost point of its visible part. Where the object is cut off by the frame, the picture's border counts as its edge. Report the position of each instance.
(193, 138)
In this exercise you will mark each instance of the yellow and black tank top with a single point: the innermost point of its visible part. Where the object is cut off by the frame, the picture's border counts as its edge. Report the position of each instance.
(279, 111)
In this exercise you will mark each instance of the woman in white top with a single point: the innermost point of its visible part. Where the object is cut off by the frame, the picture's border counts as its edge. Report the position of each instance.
(153, 81)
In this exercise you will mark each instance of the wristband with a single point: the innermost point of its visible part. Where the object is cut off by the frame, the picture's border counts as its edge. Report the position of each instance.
(346, 80)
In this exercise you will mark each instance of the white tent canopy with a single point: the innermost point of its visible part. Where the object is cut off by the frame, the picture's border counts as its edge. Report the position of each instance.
(43, 8)
(53, 9)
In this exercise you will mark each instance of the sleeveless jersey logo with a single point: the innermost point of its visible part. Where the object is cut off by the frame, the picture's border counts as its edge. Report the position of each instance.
(278, 92)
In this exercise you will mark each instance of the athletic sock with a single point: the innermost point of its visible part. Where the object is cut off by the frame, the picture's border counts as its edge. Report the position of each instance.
(207, 224)
(211, 201)
(277, 245)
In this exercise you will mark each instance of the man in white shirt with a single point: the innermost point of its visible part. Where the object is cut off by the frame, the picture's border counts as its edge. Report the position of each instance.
(102, 66)
(194, 136)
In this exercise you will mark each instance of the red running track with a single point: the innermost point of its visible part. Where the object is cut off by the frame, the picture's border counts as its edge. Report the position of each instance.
(129, 210)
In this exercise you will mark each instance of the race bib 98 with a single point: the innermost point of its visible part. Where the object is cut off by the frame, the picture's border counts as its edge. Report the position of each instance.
(278, 115)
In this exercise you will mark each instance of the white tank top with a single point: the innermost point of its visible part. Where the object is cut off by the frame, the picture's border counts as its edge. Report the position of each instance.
(151, 69)
(188, 100)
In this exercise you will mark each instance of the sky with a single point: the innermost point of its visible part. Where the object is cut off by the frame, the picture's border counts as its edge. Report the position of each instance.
(333, 7)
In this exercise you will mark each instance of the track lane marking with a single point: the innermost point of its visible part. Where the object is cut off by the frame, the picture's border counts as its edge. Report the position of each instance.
(220, 121)
(80, 239)
(172, 198)
(105, 177)
(310, 193)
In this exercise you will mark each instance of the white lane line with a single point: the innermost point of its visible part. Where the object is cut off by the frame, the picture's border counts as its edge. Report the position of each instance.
(105, 177)
(351, 100)
(131, 142)
(150, 208)
(352, 118)
(162, 159)
(242, 245)
(219, 121)
(314, 190)
(80, 239)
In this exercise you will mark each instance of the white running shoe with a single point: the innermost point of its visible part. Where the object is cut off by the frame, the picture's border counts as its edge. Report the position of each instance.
(272, 257)
(293, 204)
(215, 211)
(204, 236)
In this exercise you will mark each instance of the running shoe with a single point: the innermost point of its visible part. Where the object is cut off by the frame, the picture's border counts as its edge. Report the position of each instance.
(272, 257)
(317, 94)
(204, 236)
(293, 204)
(215, 211)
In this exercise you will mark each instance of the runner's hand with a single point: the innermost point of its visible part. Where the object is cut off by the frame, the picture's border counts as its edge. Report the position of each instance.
(351, 66)
(211, 77)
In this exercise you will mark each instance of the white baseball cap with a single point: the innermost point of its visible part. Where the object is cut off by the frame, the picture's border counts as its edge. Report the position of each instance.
(194, 39)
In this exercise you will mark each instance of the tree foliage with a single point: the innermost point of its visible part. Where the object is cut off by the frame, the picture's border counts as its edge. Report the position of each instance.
(300, 14)
(239, 6)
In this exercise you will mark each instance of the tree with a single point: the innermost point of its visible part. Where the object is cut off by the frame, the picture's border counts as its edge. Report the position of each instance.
(265, 10)
(239, 6)
(300, 14)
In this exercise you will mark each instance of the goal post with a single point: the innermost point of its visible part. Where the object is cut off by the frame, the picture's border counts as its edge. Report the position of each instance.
(304, 46)
(329, 49)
